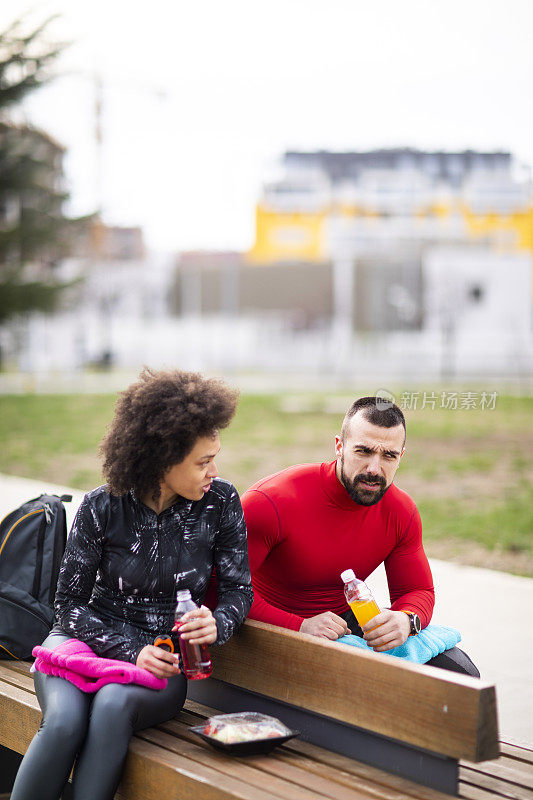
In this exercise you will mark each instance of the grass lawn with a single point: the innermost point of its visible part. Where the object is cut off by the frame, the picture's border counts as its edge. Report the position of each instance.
(469, 470)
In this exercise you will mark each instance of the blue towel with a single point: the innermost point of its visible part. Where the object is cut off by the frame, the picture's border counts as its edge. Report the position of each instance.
(429, 643)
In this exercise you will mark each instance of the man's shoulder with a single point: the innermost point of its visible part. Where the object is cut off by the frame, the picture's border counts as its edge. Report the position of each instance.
(287, 481)
(399, 501)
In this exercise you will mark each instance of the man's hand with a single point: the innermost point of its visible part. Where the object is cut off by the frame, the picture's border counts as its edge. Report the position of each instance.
(326, 625)
(158, 661)
(198, 626)
(387, 630)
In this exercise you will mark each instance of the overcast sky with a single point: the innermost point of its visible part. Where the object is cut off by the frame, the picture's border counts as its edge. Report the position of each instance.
(201, 97)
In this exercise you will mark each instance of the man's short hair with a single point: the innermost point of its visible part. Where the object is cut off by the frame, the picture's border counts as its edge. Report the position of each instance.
(377, 410)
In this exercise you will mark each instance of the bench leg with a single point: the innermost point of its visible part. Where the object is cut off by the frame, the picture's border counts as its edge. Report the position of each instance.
(9, 764)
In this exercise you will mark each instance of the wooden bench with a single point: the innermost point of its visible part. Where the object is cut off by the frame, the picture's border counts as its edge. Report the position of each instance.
(366, 722)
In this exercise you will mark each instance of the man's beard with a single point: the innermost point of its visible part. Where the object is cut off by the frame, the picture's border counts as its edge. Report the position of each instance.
(365, 497)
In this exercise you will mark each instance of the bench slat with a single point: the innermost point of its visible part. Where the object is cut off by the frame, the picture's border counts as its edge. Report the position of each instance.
(496, 785)
(339, 775)
(20, 715)
(289, 770)
(281, 764)
(345, 778)
(246, 769)
(471, 792)
(16, 678)
(506, 769)
(510, 771)
(188, 777)
(343, 770)
(520, 752)
(375, 782)
(249, 765)
(169, 759)
(152, 773)
(19, 666)
(367, 776)
(450, 714)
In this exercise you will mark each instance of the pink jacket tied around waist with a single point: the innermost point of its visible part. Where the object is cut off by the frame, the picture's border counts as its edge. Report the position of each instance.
(77, 663)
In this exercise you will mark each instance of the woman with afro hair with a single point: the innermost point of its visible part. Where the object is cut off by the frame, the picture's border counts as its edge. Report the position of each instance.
(163, 521)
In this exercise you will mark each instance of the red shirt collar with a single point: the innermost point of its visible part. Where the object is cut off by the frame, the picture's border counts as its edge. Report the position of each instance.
(334, 488)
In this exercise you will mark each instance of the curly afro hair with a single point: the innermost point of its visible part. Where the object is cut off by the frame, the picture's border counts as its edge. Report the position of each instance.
(156, 424)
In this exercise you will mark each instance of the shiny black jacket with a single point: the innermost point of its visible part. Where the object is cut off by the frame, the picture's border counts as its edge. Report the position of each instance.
(123, 563)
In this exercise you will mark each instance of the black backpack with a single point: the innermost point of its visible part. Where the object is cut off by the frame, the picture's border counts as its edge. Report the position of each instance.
(32, 543)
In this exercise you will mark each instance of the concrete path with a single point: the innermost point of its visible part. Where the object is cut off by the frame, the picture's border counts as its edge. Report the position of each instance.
(491, 609)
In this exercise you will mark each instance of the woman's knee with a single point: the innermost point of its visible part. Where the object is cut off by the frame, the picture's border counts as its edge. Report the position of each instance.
(65, 709)
(132, 707)
(113, 706)
(66, 726)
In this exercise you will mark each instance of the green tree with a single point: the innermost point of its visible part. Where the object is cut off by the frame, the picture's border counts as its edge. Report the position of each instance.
(34, 232)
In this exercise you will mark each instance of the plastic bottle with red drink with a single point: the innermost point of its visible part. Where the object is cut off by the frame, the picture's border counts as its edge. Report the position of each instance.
(195, 658)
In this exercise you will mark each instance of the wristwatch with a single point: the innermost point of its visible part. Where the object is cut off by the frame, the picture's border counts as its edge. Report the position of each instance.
(414, 621)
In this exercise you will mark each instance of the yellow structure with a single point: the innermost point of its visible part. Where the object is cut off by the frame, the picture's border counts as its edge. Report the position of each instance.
(299, 236)
(516, 227)
(289, 236)
(438, 196)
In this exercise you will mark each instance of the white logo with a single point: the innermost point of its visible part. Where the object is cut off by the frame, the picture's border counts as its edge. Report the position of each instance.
(384, 399)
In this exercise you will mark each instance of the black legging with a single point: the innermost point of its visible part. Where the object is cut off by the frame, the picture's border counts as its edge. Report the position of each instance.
(454, 659)
(96, 728)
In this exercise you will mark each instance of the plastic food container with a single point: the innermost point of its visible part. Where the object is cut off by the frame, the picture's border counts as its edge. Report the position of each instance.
(247, 733)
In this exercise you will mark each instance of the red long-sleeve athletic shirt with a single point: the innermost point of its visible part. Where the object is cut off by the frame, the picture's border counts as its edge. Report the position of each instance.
(304, 530)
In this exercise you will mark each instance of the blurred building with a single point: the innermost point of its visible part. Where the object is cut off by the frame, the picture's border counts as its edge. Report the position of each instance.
(108, 242)
(322, 202)
(110, 316)
(398, 261)
(32, 193)
(391, 265)
(222, 283)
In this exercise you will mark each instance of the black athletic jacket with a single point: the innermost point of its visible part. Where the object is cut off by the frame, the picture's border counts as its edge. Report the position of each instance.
(123, 563)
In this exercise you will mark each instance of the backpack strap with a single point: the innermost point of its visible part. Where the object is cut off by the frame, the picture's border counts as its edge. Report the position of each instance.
(39, 558)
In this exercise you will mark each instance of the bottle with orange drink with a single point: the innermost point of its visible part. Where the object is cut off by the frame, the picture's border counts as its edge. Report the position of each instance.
(359, 597)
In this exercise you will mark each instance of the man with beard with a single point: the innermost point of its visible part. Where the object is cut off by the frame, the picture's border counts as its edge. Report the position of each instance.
(310, 522)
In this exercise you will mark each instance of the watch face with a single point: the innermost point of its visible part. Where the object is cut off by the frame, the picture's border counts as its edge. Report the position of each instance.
(416, 625)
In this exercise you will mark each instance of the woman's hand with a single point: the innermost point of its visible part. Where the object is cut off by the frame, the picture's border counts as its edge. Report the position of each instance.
(198, 626)
(158, 661)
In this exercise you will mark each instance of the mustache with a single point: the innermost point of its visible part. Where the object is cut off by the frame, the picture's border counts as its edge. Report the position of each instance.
(368, 478)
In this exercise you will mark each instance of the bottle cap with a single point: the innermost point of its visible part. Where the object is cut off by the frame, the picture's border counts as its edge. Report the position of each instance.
(183, 594)
(348, 575)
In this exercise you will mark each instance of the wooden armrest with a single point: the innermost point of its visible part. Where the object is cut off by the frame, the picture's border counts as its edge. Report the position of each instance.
(444, 712)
